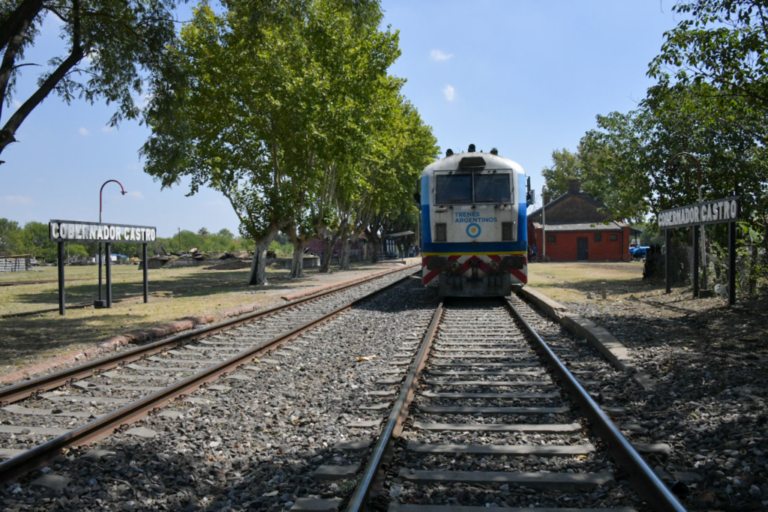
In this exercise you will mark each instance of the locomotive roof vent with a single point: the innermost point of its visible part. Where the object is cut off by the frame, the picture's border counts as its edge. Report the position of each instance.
(449, 152)
(494, 151)
(471, 148)
(472, 162)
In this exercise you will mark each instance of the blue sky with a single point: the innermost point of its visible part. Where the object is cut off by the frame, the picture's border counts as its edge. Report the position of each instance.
(526, 77)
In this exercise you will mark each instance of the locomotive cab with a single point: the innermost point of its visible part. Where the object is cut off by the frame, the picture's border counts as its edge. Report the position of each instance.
(473, 225)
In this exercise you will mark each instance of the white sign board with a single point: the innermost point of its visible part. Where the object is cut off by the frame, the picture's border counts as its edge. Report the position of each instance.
(711, 212)
(83, 232)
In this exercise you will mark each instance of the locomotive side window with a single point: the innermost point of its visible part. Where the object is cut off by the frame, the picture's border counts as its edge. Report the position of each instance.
(492, 188)
(454, 189)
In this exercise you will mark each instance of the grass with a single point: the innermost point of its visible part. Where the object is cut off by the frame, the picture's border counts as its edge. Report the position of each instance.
(174, 294)
(573, 281)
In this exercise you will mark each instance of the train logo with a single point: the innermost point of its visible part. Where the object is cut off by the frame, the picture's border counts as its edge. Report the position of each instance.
(473, 230)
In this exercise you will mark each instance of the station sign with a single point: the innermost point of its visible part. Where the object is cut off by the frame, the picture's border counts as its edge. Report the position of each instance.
(83, 232)
(710, 212)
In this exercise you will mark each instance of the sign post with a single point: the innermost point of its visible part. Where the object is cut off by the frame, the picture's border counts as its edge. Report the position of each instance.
(62, 303)
(697, 216)
(61, 231)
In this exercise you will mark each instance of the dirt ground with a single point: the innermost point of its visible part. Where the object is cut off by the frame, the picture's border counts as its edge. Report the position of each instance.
(175, 294)
(639, 312)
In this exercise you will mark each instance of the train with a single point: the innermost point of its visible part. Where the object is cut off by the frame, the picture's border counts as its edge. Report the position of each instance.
(474, 235)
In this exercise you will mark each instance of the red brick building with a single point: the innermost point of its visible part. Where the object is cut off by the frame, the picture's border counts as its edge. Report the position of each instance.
(578, 229)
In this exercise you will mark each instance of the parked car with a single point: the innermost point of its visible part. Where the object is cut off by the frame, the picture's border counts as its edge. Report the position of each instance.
(639, 252)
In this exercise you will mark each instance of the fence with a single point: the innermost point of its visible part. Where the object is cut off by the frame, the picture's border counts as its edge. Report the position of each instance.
(18, 263)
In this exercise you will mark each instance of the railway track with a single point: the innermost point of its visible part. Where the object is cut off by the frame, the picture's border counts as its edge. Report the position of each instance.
(42, 417)
(490, 415)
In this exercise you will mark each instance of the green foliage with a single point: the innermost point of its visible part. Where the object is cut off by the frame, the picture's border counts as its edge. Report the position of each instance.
(37, 242)
(11, 237)
(290, 113)
(723, 43)
(281, 250)
(107, 48)
(565, 165)
(34, 239)
(76, 250)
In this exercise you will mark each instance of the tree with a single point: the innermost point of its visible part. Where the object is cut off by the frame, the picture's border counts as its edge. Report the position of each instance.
(203, 232)
(37, 242)
(266, 110)
(565, 165)
(11, 237)
(224, 232)
(720, 42)
(112, 44)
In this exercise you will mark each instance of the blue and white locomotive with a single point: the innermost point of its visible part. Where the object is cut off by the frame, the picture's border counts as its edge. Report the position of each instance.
(473, 218)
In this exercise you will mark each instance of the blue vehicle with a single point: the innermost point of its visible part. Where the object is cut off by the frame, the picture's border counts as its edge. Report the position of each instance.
(639, 252)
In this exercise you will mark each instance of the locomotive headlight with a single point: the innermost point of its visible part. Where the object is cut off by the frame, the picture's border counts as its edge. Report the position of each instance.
(455, 267)
(494, 266)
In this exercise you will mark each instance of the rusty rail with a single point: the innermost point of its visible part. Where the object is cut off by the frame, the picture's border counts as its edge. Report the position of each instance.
(54, 380)
(106, 425)
(642, 477)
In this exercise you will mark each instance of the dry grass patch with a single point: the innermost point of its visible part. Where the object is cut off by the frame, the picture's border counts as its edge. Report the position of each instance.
(573, 281)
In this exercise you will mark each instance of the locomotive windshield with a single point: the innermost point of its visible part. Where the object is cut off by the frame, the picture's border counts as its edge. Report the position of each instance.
(488, 188)
(492, 188)
(454, 189)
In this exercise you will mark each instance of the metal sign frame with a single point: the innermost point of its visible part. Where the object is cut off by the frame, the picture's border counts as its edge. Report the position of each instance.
(96, 232)
(697, 216)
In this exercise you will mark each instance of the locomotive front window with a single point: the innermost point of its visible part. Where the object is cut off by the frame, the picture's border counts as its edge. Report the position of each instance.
(454, 189)
(492, 188)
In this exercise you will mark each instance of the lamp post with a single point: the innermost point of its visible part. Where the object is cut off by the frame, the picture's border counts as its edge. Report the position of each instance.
(703, 247)
(100, 303)
(544, 224)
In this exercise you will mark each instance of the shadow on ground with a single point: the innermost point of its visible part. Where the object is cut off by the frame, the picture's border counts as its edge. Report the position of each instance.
(190, 285)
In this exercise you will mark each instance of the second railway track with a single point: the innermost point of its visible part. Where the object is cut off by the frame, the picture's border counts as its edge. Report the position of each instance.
(39, 418)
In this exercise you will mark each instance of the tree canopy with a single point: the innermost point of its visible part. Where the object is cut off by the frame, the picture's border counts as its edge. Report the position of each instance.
(291, 117)
(107, 48)
(720, 42)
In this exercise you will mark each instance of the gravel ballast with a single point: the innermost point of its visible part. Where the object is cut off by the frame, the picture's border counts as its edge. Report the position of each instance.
(709, 399)
(256, 439)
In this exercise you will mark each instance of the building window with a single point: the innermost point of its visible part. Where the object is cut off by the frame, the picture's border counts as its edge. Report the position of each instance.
(598, 237)
(551, 239)
(614, 238)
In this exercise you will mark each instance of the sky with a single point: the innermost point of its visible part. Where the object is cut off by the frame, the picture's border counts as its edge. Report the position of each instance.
(524, 76)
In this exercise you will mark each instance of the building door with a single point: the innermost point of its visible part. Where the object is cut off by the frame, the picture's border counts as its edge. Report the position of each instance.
(582, 248)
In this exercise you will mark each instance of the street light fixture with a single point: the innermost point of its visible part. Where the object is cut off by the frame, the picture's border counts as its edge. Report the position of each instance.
(102, 303)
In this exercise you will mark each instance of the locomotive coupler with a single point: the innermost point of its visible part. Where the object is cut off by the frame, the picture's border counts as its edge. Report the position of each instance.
(474, 265)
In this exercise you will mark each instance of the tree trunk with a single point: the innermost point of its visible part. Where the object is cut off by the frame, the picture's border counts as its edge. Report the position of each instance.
(328, 245)
(297, 264)
(376, 250)
(258, 275)
(325, 261)
(345, 250)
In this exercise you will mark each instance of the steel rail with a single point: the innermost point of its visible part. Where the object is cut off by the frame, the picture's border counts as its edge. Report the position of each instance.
(650, 488)
(107, 424)
(382, 450)
(24, 389)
